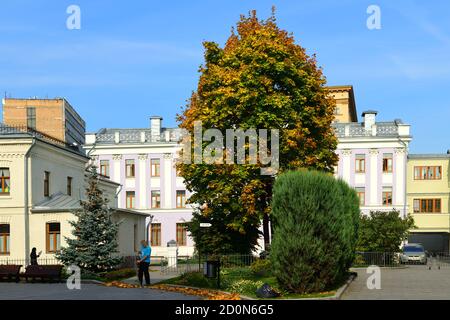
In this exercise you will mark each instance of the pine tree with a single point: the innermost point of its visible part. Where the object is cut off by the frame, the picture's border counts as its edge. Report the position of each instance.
(94, 245)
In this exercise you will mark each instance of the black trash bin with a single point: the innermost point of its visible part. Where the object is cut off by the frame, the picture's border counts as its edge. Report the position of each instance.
(210, 269)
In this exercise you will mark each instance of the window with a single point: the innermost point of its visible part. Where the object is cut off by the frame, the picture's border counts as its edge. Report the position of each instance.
(69, 186)
(181, 234)
(387, 197)
(387, 163)
(337, 111)
(155, 166)
(427, 205)
(129, 168)
(4, 239)
(31, 117)
(360, 163)
(428, 173)
(155, 234)
(130, 199)
(361, 195)
(181, 198)
(53, 237)
(5, 182)
(156, 199)
(104, 168)
(46, 184)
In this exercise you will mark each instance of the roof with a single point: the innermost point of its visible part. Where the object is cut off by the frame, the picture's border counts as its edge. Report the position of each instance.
(7, 131)
(357, 129)
(57, 202)
(60, 202)
(137, 136)
(444, 156)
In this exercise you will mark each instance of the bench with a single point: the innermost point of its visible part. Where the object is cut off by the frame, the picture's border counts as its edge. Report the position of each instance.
(45, 272)
(10, 272)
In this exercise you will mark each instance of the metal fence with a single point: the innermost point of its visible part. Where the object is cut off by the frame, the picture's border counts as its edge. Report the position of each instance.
(23, 262)
(437, 260)
(183, 264)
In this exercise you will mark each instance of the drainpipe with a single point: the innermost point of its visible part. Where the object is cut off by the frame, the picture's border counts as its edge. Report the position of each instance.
(406, 179)
(26, 207)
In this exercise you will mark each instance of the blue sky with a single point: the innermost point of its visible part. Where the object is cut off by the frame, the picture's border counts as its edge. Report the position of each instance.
(134, 59)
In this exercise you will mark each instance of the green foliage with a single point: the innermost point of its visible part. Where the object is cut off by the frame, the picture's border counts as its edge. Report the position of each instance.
(119, 274)
(93, 246)
(245, 286)
(220, 238)
(261, 267)
(260, 79)
(194, 279)
(315, 221)
(383, 231)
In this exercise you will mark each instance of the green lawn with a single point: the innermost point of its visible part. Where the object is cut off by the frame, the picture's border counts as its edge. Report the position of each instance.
(241, 280)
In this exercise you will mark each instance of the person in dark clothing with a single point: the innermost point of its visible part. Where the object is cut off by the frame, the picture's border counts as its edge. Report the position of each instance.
(34, 256)
(144, 262)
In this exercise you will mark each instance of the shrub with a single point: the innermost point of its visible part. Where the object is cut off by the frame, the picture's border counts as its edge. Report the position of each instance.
(383, 231)
(261, 267)
(196, 279)
(119, 274)
(315, 220)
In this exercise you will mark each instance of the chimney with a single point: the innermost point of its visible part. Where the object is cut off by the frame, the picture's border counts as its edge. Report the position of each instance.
(369, 118)
(155, 126)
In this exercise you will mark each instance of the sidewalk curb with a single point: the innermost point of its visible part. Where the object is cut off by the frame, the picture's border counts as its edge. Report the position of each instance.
(92, 282)
(342, 289)
(336, 296)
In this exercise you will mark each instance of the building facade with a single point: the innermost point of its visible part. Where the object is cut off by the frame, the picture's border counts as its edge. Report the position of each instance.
(344, 98)
(42, 181)
(428, 200)
(143, 162)
(373, 160)
(53, 117)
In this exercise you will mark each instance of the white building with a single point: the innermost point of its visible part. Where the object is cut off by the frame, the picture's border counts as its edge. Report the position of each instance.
(42, 180)
(143, 162)
(373, 160)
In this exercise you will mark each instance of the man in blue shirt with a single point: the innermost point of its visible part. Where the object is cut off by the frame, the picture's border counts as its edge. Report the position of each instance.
(144, 262)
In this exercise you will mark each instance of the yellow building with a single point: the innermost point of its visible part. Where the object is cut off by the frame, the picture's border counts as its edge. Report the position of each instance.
(345, 103)
(428, 192)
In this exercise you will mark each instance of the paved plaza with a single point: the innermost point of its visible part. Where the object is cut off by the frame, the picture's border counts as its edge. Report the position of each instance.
(409, 283)
(59, 291)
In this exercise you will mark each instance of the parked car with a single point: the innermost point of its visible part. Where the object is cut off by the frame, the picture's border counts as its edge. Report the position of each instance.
(413, 253)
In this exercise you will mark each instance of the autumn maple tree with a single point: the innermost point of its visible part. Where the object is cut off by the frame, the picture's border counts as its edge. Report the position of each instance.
(260, 79)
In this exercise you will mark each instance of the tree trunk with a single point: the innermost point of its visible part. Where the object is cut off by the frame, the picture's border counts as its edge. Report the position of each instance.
(266, 232)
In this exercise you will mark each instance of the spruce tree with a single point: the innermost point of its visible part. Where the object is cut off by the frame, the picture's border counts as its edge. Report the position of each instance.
(94, 245)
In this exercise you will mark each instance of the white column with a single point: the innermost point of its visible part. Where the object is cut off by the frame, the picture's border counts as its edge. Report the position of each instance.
(346, 165)
(142, 181)
(117, 159)
(374, 183)
(399, 182)
(168, 187)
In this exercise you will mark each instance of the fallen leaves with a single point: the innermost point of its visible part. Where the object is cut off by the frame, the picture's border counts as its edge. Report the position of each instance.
(208, 294)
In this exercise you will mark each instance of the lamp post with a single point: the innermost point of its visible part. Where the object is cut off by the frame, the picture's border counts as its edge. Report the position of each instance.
(202, 225)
